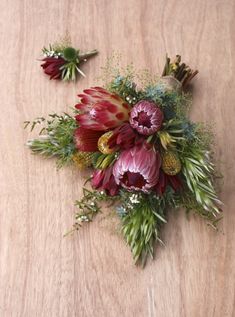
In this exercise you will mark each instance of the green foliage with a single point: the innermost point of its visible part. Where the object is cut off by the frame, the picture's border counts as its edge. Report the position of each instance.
(125, 88)
(189, 202)
(102, 161)
(55, 139)
(142, 216)
(89, 206)
(198, 172)
(173, 103)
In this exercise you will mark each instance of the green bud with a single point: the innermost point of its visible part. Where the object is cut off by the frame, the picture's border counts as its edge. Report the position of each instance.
(70, 54)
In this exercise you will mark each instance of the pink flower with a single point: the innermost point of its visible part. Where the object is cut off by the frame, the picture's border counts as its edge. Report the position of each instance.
(124, 137)
(86, 140)
(101, 110)
(104, 180)
(52, 66)
(137, 168)
(146, 117)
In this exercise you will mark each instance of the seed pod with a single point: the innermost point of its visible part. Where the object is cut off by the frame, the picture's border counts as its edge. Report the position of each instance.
(82, 159)
(103, 143)
(171, 164)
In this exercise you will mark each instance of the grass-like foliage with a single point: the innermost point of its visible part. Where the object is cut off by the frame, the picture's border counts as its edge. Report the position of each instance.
(56, 137)
(142, 216)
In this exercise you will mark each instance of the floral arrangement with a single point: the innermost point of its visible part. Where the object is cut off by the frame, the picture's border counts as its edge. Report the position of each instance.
(147, 156)
(62, 61)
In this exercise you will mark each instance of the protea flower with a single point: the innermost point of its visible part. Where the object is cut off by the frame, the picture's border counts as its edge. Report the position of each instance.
(52, 66)
(124, 137)
(101, 110)
(167, 180)
(104, 180)
(86, 140)
(146, 117)
(137, 168)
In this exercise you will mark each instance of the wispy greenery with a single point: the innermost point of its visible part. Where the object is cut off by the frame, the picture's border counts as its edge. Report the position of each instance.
(89, 206)
(55, 137)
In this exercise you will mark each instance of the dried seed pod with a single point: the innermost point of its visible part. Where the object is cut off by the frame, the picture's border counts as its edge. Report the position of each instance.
(103, 143)
(171, 164)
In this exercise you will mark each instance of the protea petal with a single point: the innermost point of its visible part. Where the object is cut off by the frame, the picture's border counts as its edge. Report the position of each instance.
(52, 66)
(86, 140)
(101, 110)
(166, 180)
(124, 137)
(104, 180)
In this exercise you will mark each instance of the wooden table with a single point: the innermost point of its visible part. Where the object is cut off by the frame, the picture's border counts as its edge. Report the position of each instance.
(92, 272)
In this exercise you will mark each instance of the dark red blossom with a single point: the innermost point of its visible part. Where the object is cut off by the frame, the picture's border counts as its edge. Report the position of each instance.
(86, 140)
(124, 137)
(167, 180)
(52, 66)
(104, 180)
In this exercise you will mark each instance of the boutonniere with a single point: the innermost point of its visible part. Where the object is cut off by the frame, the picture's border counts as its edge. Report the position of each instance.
(62, 61)
(147, 157)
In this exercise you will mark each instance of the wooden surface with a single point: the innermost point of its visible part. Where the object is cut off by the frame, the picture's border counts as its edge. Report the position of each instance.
(92, 273)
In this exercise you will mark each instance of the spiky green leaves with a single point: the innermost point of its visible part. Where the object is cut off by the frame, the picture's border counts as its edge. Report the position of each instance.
(102, 161)
(142, 216)
(198, 172)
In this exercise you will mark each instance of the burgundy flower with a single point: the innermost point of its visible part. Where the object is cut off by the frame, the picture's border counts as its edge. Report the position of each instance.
(86, 140)
(104, 180)
(124, 137)
(52, 66)
(166, 180)
(137, 168)
(101, 110)
(146, 117)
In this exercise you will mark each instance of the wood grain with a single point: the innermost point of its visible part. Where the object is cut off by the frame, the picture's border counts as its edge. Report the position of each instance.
(92, 273)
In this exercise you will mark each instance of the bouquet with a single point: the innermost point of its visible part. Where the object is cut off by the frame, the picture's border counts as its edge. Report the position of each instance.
(146, 156)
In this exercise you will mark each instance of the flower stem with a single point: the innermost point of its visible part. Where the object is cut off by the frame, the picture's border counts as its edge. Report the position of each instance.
(88, 54)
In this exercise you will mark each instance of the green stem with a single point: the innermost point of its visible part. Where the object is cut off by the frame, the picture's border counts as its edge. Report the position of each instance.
(88, 54)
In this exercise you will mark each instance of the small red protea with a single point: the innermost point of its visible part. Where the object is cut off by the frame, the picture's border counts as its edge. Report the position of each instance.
(104, 180)
(101, 110)
(124, 137)
(86, 140)
(146, 117)
(52, 66)
(167, 180)
(137, 168)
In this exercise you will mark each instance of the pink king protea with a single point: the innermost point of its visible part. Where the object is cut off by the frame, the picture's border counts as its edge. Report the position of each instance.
(137, 168)
(101, 110)
(146, 117)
